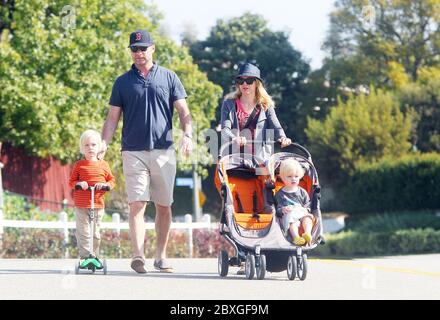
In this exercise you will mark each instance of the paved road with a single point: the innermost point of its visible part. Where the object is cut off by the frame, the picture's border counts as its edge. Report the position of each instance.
(397, 277)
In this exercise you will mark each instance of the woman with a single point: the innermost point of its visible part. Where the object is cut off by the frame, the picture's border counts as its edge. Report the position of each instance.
(249, 114)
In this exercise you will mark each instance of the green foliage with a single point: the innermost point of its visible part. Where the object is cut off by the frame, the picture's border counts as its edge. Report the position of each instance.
(364, 129)
(56, 77)
(38, 243)
(31, 243)
(424, 96)
(390, 222)
(248, 39)
(404, 32)
(407, 241)
(20, 208)
(409, 183)
(385, 234)
(392, 51)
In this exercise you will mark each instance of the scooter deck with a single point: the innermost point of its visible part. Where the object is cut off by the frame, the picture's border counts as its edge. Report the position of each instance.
(91, 263)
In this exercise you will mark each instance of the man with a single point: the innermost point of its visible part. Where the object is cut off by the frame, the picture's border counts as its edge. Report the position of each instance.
(146, 95)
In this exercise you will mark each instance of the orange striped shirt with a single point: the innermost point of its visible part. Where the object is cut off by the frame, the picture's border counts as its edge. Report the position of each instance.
(92, 172)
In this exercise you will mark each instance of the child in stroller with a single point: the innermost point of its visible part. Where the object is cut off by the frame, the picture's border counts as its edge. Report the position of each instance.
(293, 203)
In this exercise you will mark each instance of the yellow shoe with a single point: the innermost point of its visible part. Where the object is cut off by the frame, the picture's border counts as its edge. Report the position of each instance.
(299, 241)
(307, 237)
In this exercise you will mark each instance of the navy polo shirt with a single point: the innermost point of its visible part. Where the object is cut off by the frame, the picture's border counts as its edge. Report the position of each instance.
(147, 107)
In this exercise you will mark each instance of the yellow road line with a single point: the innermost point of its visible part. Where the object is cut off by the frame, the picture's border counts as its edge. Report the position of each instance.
(378, 267)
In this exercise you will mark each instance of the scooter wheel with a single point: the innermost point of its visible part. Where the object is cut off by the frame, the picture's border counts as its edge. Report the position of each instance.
(104, 266)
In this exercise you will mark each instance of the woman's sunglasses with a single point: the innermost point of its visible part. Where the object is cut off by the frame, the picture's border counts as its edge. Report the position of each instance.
(243, 80)
(136, 49)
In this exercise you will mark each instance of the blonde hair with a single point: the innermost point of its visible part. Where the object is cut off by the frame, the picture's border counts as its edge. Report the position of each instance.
(291, 167)
(86, 135)
(261, 95)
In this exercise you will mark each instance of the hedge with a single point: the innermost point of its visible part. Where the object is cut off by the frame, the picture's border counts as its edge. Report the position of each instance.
(409, 183)
(38, 243)
(406, 241)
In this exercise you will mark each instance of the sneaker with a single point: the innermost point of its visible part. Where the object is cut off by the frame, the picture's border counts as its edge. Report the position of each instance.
(137, 264)
(163, 266)
(299, 241)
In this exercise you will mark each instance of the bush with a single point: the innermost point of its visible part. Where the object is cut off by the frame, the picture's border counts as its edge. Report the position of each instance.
(389, 222)
(39, 243)
(409, 183)
(355, 243)
(29, 243)
(362, 129)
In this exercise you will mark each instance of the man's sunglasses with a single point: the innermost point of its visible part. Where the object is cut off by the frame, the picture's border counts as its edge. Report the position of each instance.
(136, 49)
(243, 80)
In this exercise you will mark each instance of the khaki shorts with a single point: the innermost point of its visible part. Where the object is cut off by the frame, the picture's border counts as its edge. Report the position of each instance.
(150, 175)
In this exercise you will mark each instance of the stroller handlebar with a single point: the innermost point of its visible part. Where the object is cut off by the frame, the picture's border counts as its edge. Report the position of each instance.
(297, 146)
(294, 144)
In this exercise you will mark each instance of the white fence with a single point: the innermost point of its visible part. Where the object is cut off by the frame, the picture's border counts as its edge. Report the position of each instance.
(65, 225)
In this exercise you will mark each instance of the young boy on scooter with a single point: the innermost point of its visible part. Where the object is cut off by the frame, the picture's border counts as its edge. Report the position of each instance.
(90, 178)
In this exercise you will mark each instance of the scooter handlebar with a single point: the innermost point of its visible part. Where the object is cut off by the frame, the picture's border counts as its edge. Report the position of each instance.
(104, 188)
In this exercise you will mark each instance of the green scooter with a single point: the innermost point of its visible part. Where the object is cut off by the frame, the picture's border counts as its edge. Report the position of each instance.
(92, 262)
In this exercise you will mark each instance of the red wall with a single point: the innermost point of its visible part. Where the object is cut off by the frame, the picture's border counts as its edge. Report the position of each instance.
(45, 179)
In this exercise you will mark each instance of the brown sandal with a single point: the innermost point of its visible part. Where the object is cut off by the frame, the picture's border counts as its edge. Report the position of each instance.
(137, 264)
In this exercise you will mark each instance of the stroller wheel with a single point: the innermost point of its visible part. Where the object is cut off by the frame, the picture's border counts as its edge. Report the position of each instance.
(302, 267)
(292, 267)
(223, 263)
(261, 268)
(250, 266)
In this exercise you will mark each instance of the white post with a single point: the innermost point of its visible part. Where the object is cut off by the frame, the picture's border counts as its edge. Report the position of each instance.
(116, 218)
(207, 218)
(64, 220)
(188, 219)
(196, 200)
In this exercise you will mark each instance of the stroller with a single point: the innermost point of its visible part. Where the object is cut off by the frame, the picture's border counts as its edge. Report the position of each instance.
(247, 186)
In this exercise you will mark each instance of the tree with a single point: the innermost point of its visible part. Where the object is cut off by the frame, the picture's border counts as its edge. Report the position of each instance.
(364, 129)
(248, 39)
(58, 61)
(388, 44)
(368, 39)
(424, 96)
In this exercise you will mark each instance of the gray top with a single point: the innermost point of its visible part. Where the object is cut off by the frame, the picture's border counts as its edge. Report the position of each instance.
(297, 198)
(268, 128)
(147, 106)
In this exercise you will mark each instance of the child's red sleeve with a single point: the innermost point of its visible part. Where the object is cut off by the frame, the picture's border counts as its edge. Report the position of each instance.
(74, 176)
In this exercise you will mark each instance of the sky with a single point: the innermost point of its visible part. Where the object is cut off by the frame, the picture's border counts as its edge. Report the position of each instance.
(306, 21)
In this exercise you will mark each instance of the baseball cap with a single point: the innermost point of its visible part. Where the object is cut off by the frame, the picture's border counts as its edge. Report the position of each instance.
(141, 38)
